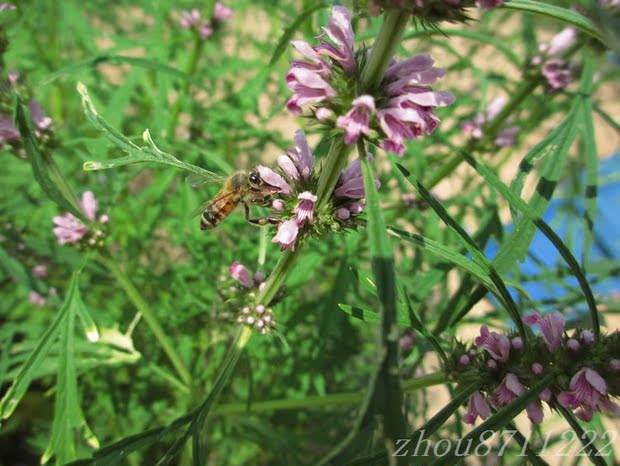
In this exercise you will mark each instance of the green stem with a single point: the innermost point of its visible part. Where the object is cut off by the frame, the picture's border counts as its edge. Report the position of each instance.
(335, 162)
(149, 317)
(383, 49)
(192, 64)
(429, 380)
(277, 276)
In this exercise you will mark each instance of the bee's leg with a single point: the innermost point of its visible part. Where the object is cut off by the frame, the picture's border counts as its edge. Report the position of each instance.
(258, 221)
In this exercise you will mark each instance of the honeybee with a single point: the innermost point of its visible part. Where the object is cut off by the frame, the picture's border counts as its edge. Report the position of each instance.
(246, 188)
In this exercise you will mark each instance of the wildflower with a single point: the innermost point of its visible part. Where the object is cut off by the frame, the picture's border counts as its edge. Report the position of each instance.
(70, 229)
(39, 270)
(464, 360)
(497, 345)
(477, 407)
(557, 71)
(551, 325)
(587, 393)
(509, 390)
(298, 162)
(240, 273)
(474, 127)
(587, 337)
(287, 234)
(614, 365)
(36, 299)
(537, 368)
(350, 183)
(321, 79)
(573, 345)
(259, 317)
(517, 343)
(275, 181)
(8, 131)
(355, 122)
(304, 210)
(192, 19)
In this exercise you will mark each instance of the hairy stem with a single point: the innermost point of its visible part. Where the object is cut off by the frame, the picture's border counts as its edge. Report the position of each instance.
(149, 317)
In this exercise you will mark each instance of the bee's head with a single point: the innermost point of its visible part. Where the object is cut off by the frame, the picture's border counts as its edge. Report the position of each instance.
(255, 180)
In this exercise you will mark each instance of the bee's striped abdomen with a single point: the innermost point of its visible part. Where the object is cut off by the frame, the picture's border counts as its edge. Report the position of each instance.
(217, 212)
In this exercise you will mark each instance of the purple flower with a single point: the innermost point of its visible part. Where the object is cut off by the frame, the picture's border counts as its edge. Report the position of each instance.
(587, 337)
(205, 30)
(38, 116)
(8, 131)
(277, 205)
(308, 88)
(275, 181)
(464, 359)
(573, 345)
(221, 12)
(36, 299)
(474, 127)
(551, 325)
(560, 43)
(343, 213)
(558, 73)
(287, 234)
(588, 393)
(509, 390)
(190, 18)
(351, 184)
(614, 365)
(39, 271)
(497, 345)
(537, 368)
(70, 229)
(240, 273)
(340, 32)
(517, 343)
(297, 163)
(324, 114)
(355, 122)
(304, 210)
(477, 407)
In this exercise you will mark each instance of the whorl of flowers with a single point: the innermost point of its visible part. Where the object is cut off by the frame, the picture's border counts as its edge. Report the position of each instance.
(474, 127)
(325, 80)
(258, 317)
(294, 184)
(585, 369)
(432, 10)
(557, 71)
(71, 230)
(192, 19)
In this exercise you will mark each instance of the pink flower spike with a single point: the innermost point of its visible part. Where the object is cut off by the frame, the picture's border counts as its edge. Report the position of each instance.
(588, 393)
(287, 234)
(339, 30)
(497, 345)
(274, 180)
(477, 407)
(221, 12)
(304, 210)
(240, 273)
(355, 122)
(551, 325)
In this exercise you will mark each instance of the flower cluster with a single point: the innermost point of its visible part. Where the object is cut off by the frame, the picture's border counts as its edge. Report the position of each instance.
(586, 369)
(474, 128)
(324, 82)
(192, 19)
(432, 10)
(9, 134)
(557, 71)
(294, 200)
(258, 317)
(71, 230)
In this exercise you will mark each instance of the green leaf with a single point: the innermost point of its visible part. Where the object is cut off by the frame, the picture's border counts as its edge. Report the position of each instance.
(286, 37)
(135, 153)
(28, 371)
(45, 170)
(563, 14)
(15, 269)
(68, 415)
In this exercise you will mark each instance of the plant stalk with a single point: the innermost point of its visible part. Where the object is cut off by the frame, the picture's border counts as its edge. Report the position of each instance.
(149, 317)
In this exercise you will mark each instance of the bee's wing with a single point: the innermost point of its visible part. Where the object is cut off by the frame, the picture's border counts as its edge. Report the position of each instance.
(196, 180)
(205, 205)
